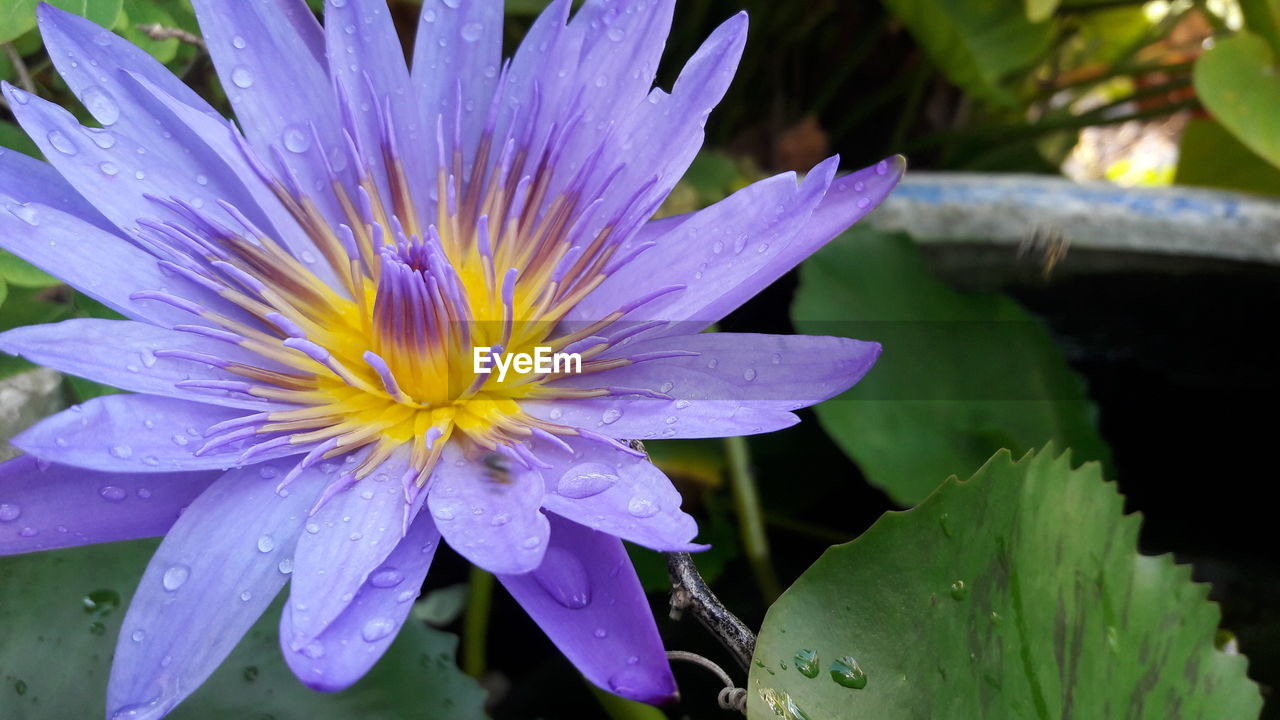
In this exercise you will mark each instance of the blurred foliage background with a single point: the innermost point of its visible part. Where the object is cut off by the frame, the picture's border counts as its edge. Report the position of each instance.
(1161, 377)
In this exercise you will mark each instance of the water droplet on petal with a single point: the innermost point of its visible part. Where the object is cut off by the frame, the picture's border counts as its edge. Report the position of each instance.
(101, 105)
(296, 139)
(586, 480)
(610, 416)
(314, 650)
(10, 512)
(565, 578)
(245, 596)
(108, 169)
(238, 42)
(61, 143)
(138, 635)
(471, 31)
(286, 566)
(241, 77)
(749, 374)
(123, 452)
(386, 578)
(266, 543)
(25, 212)
(175, 576)
(376, 629)
(642, 507)
(601, 633)
(113, 493)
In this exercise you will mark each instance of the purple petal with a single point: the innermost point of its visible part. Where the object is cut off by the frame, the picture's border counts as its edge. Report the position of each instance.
(587, 599)
(138, 433)
(731, 384)
(367, 63)
(27, 179)
(458, 48)
(216, 571)
(345, 540)
(123, 354)
(716, 254)
(612, 491)
(45, 506)
(489, 515)
(90, 59)
(345, 651)
(98, 264)
(251, 43)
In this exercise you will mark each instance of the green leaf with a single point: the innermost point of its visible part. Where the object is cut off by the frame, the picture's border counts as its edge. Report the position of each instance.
(26, 306)
(12, 137)
(1236, 80)
(1017, 594)
(148, 12)
(962, 375)
(21, 273)
(976, 43)
(1210, 156)
(19, 16)
(63, 609)
(1040, 10)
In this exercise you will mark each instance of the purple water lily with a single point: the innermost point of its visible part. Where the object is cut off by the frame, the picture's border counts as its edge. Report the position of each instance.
(305, 294)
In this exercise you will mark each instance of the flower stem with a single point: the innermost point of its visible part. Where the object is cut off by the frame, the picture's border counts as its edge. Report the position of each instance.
(755, 542)
(475, 628)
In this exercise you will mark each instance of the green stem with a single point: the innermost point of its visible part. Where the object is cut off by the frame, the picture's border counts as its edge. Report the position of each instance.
(624, 709)
(475, 629)
(746, 500)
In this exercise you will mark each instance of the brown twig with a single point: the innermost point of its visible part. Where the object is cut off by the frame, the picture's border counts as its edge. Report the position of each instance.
(156, 31)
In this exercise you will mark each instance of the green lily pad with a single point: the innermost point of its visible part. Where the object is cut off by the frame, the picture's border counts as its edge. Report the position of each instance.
(977, 44)
(61, 612)
(962, 374)
(1237, 81)
(1017, 594)
(19, 16)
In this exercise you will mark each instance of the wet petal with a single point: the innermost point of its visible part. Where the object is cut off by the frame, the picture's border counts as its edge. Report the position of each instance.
(724, 384)
(350, 535)
(45, 505)
(138, 433)
(604, 488)
(487, 509)
(458, 49)
(27, 179)
(345, 651)
(133, 356)
(216, 571)
(587, 599)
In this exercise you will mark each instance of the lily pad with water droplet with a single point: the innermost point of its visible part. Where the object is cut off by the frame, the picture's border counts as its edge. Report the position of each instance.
(1059, 615)
(61, 616)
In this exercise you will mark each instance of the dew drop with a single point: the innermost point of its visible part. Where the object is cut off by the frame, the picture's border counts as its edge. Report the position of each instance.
(238, 42)
(138, 635)
(718, 247)
(266, 544)
(112, 493)
(863, 203)
(586, 480)
(739, 243)
(286, 566)
(386, 578)
(749, 374)
(565, 578)
(471, 31)
(531, 542)
(246, 596)
(610, 416)
(452, 3)
(27, 532)
(296, 139)
(882, 168)
(108, 169)
(143, 493)
(314, 650)
(642, 507)
(807, 663)
(101, 105)
(123, 452)
(61, 143)
(241, 77)
(25, 212)
(376, 629)
(959, 590)
(10, 512)
(175, 576)
(846, 673)
(601, 633)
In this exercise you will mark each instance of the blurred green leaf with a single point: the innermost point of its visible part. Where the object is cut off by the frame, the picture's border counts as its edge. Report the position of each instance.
(976, 43)
(19, 272)
(1040, 10)
(12, 137)
(962, 375)
(1236, 80)
(1209, 156)
(19, 16)
(26, 306)
(60, 631)
(1017, 594)
(149, 12)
